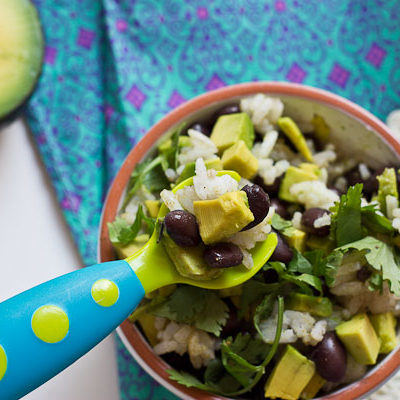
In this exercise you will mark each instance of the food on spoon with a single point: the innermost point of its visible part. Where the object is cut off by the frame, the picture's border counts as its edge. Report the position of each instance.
(21, 49)
(222, 217)
(326, 301)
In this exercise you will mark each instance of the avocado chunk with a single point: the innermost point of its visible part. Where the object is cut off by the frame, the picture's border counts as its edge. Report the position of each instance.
(146, 322)
(294, 175)
(21, 54)
(189, 261)
(311, 168)
(153, 207)
(133, 247)
(313, 387)
(230, 128)
(292, 131)
(385, 327)
(222, 217)
(239, 158)
(290, 376)
(387, 186)
(315, 305)
(189, 170)
(296, 239)
(321, 128)
(360, 339)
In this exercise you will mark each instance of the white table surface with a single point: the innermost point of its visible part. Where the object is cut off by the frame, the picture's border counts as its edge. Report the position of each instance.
(32, 226)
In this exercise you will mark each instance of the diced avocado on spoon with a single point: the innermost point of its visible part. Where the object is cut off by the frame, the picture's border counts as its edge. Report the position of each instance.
(21, 54)
(60, 320)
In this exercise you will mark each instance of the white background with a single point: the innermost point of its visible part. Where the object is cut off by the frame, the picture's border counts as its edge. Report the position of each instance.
(35, 245)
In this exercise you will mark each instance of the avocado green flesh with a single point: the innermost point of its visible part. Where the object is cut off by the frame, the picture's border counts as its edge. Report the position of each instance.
(21, 52)
(189, 260)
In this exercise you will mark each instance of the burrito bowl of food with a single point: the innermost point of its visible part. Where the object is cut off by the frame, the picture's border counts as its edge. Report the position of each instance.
(319, 319)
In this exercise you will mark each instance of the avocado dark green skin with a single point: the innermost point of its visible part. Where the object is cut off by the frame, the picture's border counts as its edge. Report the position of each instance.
(20, 108)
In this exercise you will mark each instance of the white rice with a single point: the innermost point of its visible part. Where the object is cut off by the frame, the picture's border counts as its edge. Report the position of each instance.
(393, 122)
(246, 240)
(365, 173)
(325, 220)
(296, 325)
(263, 149)
(170, 200)
(208, 185)
(182, 338)
(270, 171)
(324, 158)
(313, 194)
(186, 196)
(391, 204)
(341, 184)
(171, 174)
(296, 220)
(264, 111)
(200, 146)
(129, 215)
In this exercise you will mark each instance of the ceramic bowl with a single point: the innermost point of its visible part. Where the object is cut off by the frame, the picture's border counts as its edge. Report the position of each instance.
(355, 130)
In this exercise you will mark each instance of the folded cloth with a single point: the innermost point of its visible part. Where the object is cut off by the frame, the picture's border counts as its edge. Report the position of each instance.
(114, 67)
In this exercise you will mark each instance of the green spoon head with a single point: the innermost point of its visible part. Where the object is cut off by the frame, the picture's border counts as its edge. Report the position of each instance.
(155, 269)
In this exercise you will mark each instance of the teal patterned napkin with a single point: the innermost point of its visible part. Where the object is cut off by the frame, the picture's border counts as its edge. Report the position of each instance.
(115, 67)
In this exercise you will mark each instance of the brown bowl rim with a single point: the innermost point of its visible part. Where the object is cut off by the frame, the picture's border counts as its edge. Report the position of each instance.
(130, 335)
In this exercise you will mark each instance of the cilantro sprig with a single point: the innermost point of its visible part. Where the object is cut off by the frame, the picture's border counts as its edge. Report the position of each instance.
(237, 374)
(122, 233)
(194, 306)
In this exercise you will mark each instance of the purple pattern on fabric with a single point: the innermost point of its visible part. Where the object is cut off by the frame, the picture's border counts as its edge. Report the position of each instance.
(85, 38)
(376, 55)
(202, 13)
(215, 83)
(296, 74)
(71, 201)
(136, 97)
(121, 25)
(280, 6)
(339, 75)
(175, 100)
(50, 54)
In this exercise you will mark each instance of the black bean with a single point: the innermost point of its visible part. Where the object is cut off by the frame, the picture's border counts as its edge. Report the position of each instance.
(308, 218)
(363, 274)
(258, 204)
(182, 227)
(271, 190)
(197, 126)
(233, 324)
(370, 185)
(222, 255)
(280, 208)
(282, 252)
(330, 358)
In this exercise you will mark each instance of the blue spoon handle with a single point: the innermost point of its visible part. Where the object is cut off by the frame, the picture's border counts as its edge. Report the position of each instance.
(48, 327)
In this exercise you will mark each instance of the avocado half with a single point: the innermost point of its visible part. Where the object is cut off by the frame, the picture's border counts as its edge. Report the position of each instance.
(21, 55)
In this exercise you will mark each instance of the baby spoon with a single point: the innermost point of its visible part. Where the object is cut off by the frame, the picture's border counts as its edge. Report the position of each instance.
(45, 329)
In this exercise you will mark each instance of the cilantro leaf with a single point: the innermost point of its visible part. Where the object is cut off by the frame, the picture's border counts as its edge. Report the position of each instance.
(148, 173)
(263, 312)
(375, 222)
(331, 265)
(282, 225)
(381, 257)
(122, 233)
(218, 379)
(300, 264)
(253, 291)
(186, 379)
(346, 216)
(194, 306)
(170, 154)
